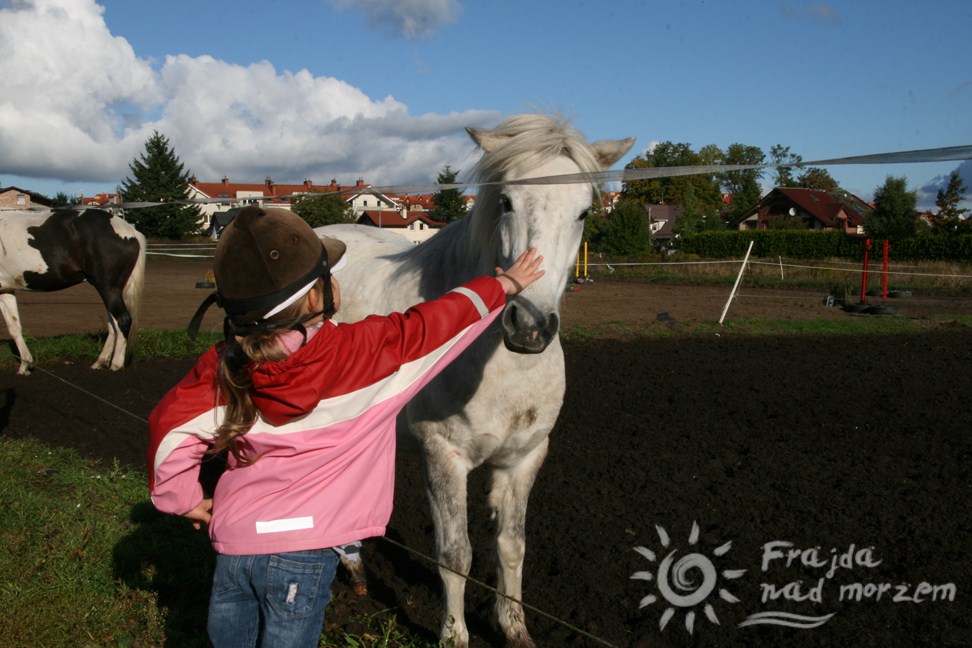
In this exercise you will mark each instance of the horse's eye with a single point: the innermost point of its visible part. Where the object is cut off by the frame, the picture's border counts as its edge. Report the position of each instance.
(584, 215)
(505, 204)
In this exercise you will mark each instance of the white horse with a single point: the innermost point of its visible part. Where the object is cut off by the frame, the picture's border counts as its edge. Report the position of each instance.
(43, 250)
(497, 403)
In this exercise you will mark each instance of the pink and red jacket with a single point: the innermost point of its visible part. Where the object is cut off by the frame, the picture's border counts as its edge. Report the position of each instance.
(325, 436)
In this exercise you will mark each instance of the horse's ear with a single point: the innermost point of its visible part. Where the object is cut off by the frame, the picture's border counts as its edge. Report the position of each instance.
(484, 139)
(610, 151)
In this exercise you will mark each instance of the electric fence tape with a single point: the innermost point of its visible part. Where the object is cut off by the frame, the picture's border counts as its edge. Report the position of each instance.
(942, 154)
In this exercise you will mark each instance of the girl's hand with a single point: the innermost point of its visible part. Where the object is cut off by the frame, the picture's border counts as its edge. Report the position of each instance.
(522, 273)
(201, 514)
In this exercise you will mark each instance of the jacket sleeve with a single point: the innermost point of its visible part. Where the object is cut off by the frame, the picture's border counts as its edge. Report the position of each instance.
(180, 431)
(417, 344)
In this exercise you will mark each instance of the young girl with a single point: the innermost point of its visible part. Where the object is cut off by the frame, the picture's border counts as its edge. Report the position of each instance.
(305, 409)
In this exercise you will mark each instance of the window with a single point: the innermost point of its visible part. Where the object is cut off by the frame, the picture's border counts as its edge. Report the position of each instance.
(21, 199)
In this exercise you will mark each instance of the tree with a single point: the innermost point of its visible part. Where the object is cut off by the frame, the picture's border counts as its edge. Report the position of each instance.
(672, 190)
(781, 155)
(61, 199)
(893, 216)
(157, 176)
(627, 231)
(448, 204)
(323, 209)
(596, 220)
(950, 217)
(695, 218)
(742, 185)
(817, 178)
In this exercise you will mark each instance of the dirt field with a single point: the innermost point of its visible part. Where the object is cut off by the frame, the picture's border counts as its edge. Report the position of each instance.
(856, 450)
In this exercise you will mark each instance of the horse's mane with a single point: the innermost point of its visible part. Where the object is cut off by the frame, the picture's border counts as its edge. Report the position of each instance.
(530, 140)
(519, 144)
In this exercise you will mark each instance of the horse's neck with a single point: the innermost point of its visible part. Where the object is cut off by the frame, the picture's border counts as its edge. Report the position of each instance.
(451, 257)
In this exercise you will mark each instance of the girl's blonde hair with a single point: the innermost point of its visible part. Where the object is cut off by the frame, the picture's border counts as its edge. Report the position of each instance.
(234, 376)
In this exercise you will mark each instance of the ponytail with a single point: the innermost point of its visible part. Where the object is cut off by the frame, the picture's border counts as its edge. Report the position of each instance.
(234, 378)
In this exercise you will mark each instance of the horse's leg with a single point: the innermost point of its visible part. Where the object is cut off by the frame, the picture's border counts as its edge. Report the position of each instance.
(446, 474)
(508, 496)
(11, 315)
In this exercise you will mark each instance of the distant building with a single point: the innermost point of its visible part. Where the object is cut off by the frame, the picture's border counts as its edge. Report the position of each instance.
(407, 215)
(807, 208)
(661, 219)
(17, 198)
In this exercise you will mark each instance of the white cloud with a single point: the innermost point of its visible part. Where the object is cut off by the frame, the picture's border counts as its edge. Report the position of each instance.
(413, 19)
(79, 104)
(68, 90)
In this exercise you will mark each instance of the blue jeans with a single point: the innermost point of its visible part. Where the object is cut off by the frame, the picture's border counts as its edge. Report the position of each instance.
(271, 600)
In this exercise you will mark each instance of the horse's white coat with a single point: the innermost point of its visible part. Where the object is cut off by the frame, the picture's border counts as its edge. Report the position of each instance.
(492, 406)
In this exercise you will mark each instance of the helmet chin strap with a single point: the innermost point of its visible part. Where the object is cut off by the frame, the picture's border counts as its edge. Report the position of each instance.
(231, 329)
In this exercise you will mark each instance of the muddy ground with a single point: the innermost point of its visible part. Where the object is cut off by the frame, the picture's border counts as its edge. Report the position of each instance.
(857, 450)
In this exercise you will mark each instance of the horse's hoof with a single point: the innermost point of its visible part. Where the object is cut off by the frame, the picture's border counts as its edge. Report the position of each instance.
(360, 587)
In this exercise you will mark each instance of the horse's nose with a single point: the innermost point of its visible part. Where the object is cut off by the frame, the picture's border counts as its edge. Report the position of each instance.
(526, 329)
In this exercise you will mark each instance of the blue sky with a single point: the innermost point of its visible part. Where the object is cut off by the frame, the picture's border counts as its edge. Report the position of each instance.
(381, 90)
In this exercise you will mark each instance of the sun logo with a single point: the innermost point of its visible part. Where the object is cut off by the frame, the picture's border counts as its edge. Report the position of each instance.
(687, 581)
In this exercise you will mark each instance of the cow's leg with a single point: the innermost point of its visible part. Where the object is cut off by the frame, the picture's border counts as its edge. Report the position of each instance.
(508, 497)
(446, 473)
(119, 328)
(11, 315)
(105, 358)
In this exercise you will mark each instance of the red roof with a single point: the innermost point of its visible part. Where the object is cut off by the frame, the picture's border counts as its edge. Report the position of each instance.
(389, 218)
(824, 206)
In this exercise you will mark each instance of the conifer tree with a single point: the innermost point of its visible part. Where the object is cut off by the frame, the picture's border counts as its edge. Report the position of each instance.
(951, 218)
(157, 176)
(448, 204)
(893, 216)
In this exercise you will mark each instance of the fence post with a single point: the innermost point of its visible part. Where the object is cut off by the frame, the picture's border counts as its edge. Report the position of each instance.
(742, 269)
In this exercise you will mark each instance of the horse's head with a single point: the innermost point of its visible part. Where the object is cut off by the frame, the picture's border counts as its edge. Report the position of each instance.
(511, 217)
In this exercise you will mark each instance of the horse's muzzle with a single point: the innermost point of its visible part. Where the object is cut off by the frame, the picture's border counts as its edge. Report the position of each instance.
(526, 329)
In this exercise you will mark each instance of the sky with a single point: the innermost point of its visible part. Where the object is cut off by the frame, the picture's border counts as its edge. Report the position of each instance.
(381, 90)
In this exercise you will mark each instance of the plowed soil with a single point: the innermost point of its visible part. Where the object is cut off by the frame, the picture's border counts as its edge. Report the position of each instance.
(825, 477)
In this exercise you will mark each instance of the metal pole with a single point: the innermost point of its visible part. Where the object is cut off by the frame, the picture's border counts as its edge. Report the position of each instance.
(884, 274)
(867, 251)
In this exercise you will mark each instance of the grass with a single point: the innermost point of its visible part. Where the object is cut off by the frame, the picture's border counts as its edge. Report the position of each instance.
(59, 574)
(150, 344)
(86, 560)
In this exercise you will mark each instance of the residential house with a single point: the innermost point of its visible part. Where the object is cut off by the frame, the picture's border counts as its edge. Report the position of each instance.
(17, 198)
(407, 215)
(223, 195)
(103, 201)
(414, 224)
(661, 219)
(807, 208)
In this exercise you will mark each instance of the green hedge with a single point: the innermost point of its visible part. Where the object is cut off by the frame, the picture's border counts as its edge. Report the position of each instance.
(821, 245)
